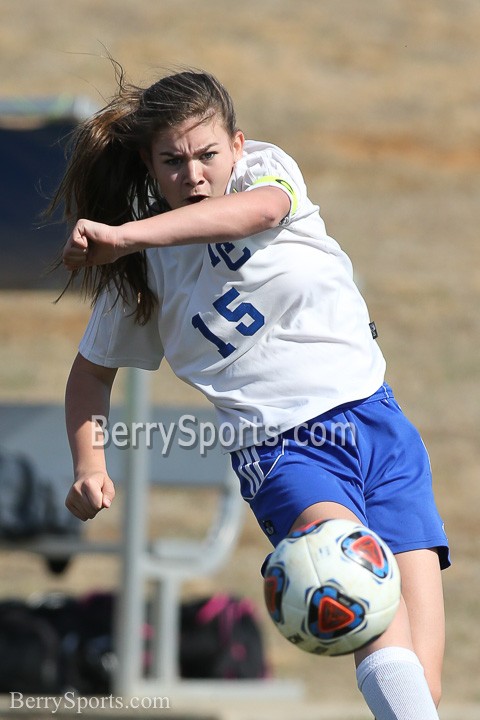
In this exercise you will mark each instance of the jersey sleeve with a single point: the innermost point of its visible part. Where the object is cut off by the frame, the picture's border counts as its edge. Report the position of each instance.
(267, 165)
(113, 339)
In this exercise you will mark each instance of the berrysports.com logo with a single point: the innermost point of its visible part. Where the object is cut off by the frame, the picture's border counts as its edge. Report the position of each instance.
(79, 704)
(190, 432)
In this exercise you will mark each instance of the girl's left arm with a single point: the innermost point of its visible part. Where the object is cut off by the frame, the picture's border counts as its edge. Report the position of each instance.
(221, 219)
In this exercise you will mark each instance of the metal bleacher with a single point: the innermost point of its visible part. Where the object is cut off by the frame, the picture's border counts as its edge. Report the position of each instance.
(38, 431)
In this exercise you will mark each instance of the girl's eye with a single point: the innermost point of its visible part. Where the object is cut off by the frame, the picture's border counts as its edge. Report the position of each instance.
(177, 161)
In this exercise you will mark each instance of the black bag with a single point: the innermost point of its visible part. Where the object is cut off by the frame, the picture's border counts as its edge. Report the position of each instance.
(95, 657)
(18, 510)
(31, 505)
(57, 642)
(84, 626)
(29, 651)
(221, 639)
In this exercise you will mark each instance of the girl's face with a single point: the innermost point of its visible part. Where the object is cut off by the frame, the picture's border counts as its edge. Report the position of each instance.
(193, 160)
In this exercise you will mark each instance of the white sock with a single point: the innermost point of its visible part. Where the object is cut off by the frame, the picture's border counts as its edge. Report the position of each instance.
(394, 686)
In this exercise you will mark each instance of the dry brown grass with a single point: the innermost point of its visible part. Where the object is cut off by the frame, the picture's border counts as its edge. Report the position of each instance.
(379, 103)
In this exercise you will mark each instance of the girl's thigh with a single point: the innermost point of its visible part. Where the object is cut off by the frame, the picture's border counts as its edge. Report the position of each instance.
(420, 621)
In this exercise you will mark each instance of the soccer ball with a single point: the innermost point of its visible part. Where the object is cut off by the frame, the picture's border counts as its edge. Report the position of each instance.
(332, 587)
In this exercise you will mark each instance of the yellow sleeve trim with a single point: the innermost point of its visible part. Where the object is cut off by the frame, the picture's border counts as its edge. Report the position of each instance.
(272, 180)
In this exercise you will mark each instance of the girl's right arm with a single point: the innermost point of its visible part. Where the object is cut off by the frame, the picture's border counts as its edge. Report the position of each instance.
(88, 395)
(218, 219)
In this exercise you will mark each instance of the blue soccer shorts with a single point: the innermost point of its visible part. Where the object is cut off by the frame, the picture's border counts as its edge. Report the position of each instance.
(365, 455)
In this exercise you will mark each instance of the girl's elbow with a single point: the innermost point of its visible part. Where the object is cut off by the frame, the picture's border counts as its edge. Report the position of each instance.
(278, 209)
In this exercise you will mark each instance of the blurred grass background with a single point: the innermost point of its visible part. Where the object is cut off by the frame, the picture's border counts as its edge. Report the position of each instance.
(379, 102)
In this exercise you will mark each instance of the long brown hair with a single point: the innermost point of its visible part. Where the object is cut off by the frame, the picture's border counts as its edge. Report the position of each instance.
(106, 179)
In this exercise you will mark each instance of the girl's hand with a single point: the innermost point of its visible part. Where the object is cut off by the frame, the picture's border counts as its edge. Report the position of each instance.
(89, 494)
(91, 243)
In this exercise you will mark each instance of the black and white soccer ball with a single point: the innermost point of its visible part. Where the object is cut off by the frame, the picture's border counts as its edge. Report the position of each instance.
(332, 587)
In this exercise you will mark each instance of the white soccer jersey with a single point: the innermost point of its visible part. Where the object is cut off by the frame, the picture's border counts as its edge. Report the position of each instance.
(272, 328)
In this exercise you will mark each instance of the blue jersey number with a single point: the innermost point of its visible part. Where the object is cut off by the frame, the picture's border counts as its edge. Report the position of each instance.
(226, 252)
(242, 311)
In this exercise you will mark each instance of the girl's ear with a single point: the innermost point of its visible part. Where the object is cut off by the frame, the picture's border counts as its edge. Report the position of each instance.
(238, 143)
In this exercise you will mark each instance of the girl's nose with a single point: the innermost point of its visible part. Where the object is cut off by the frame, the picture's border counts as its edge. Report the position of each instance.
(193, 172)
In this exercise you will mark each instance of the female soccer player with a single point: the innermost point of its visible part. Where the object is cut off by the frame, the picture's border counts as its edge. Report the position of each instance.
(203, 247)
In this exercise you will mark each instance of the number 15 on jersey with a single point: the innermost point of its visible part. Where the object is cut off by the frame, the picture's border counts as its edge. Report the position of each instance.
(239, 314)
